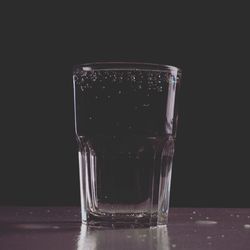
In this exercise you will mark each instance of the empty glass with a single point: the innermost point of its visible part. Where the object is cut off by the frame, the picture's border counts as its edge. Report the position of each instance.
(125, 122)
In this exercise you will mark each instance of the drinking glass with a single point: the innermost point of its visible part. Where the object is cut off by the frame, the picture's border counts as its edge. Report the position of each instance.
(125, 124)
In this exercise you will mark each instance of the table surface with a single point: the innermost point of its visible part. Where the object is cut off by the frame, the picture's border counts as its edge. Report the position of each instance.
(45, 228)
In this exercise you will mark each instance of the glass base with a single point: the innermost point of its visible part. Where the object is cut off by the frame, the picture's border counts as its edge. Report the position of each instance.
(132, 220)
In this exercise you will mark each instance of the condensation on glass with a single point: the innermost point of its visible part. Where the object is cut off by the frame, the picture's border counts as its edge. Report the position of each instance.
(125, 123)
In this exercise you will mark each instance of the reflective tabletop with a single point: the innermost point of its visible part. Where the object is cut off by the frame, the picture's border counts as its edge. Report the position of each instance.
(35, 228)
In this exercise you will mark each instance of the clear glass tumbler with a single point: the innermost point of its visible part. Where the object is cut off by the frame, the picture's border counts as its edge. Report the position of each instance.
(125, 122)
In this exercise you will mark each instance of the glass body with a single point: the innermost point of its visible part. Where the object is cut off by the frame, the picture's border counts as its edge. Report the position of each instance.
(125, 122)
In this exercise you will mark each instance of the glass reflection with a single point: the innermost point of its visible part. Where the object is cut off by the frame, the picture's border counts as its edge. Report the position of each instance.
(144, 238)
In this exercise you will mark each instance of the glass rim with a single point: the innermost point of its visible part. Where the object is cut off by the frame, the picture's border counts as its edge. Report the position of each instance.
(137, 66)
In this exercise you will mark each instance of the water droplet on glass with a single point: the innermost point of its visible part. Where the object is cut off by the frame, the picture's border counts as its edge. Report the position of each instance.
(128, 236)
(90, 118)
(247, 226)
(173, 245)
(160, 89)
(55, 227)
(104, 87)
(237, 215)
(194, 212)
(119, 92)
(94, 77)
(146, 105)
(96, 97)
(48, 211)
(191, 217)
(30, 212)
(222, 236)
(231, 215)
(139, 215)
(209, 237)
(139, 86)
(109, 96)
(207, 218)
(248, 216)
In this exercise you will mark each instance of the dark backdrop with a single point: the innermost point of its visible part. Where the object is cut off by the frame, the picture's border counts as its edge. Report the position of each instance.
(40, 43)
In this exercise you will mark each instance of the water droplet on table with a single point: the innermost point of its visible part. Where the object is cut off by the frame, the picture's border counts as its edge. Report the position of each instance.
(206, 222)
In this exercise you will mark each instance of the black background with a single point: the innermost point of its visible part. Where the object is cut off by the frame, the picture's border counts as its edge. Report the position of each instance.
(41, 43)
